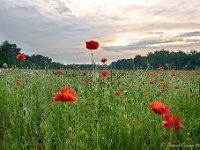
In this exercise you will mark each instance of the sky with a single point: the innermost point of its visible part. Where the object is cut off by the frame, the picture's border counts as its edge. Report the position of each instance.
(124, 28)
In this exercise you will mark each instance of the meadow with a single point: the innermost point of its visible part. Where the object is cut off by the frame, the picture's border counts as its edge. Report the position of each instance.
(109, 113)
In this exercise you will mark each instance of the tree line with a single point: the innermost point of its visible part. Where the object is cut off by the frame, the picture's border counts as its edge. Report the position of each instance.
(153, 60)
(8, 53)
(163, 58)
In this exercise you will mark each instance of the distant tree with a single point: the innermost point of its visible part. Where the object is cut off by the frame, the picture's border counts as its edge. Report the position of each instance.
(166, 59)
(194, 60)
(158, 58)
(8, 53)
(140, 62)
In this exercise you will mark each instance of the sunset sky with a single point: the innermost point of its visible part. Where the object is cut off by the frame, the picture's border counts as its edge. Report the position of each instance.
(124, 28)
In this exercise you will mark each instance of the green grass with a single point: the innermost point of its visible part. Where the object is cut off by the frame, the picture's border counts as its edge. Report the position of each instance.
(99, 119)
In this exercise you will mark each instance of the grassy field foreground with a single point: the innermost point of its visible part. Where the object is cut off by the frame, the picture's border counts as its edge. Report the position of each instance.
(110, 113)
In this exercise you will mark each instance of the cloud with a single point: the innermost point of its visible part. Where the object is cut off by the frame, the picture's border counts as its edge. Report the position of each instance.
(181, 41)
(61, 8)
(189, 34)
(59, 28)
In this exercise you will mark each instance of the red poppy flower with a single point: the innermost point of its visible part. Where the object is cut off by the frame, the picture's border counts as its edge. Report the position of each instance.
(160, 68)
(173, 74)
(104, 73)
(18, 82)
(168, 121)
(151, 74)
(159, 108)
(177, 124)
(176, 87)
(66, 94)
(103, 60)
(121, 89)
(86, 81)
(172, 122)
(165, 110)
(164, 84)
(40, 145)
(92, 45)
(117, 93)
(57, 72)
(151, 82)
(20, 57)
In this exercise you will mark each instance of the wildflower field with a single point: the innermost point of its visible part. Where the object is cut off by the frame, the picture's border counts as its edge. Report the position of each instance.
(93, 110)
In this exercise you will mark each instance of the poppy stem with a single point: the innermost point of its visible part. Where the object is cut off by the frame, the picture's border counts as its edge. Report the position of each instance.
(92, 56)
(93, 64)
